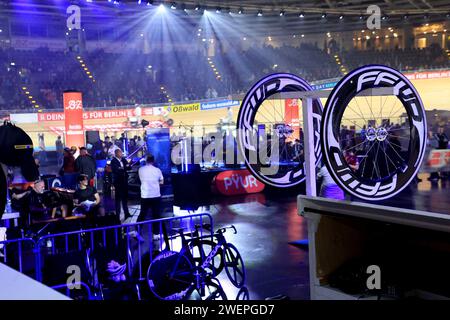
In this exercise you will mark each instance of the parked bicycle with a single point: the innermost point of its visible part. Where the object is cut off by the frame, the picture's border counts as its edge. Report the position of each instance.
(191, 273)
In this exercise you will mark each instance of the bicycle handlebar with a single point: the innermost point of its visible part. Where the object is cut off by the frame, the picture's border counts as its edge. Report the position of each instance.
(224, 229)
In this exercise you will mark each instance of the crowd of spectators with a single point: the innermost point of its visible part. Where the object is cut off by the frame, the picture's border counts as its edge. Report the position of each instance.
(136, 78)
(432, 57)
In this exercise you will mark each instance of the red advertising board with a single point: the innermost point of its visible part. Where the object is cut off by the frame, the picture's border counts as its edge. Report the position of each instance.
(99, 114)
(73, 115)
(439, 159)
(235, 182)
(428, 75)
(291, 115)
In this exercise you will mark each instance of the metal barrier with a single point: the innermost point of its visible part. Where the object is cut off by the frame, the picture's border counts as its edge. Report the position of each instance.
(14, 252)
(82, 285)
(135, 245)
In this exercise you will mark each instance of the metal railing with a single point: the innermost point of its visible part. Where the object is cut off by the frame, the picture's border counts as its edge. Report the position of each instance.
(135, 244)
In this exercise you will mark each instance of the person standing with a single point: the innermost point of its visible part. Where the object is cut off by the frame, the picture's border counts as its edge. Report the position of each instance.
(119, 168)
(85, 164)
(68, 165)
(59, 151)
(151, 179)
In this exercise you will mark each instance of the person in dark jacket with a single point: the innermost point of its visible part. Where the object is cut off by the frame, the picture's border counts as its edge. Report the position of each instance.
(119, 168)
(68, 162)
(85, 164)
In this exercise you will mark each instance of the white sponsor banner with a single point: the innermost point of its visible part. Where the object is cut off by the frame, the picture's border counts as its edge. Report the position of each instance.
(24, 117)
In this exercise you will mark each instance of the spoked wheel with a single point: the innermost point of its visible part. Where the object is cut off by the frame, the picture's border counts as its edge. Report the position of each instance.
(234, 265)
(200, 251)
(373, 142)
(214, 290)
(243, 294)
(170, 276)
(269, 130)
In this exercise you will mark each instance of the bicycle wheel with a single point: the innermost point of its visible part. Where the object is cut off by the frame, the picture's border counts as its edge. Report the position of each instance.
(269, 132)
(373, 144)
(200, 250)
(234, 265)
(243, 294)
(170, 276)
(214, 290)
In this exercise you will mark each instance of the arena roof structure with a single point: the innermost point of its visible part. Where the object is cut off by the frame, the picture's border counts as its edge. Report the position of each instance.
(258, 17)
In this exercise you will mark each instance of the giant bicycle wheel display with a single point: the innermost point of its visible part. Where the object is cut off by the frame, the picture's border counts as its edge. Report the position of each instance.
(170, 276)
(373, 145)
(269, 136)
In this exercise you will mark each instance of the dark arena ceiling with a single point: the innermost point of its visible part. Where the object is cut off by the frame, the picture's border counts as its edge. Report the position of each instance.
(276, 17)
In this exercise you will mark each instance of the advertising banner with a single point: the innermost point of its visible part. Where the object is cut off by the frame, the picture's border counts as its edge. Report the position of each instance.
(219, 104)
(439, 160)
(182, 108)
(291, 114)
(73, 115)
(428, 75)
(158, 144)
(98, 114)
(233, 182)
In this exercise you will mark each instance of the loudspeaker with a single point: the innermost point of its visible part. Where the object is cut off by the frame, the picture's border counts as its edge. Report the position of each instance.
(92, 137)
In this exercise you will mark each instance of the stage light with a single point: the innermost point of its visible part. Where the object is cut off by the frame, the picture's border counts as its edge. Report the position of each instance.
(281, 13)
(324, 15)
(173, 6)
(161, 8)
(116, 2)
(197, 7)
(149, 3)
(260, 13)
(241, 11)
(301, 15)
(139, 1)
(1, 30)
(183, 7)
(385, 17)
(303, 35)
(341, 17)
(361, 17)
(88, 0)
(13, 64)
(218, 10)
(405, 17)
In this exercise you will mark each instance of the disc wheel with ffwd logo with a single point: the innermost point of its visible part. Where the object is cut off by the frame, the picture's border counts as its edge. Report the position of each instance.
(373, 143)
(269, 130)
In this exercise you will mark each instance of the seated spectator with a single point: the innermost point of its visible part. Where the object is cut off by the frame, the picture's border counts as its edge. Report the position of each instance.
(37, 203)
(86, 199)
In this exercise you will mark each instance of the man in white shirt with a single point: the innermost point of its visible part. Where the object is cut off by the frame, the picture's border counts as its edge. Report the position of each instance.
(151, 178)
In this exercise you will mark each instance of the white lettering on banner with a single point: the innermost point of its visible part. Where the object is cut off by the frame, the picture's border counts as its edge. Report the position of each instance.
(74, 105)
(239, 182)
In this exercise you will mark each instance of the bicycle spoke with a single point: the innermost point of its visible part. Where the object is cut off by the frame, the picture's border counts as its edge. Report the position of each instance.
(366, 158)
(376, 158)
(356, 145)
(389, 144)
